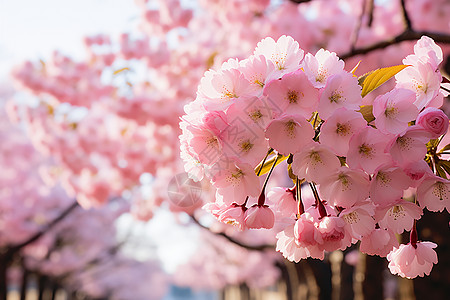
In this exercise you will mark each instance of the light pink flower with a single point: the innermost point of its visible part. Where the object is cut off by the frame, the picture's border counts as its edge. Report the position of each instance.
(393, 110)
(434, 193)
(409, 261)
(258, 70)
(433, 120)
(422, 79)
(285, 53)
(388, 184)
(283, 200)
(234, 182)
(338, 129)
(289, 134)
(399, 216)
(286, 244)
(342, 90)
(220, 89)
(293, 94)
(315, 162)
(322, 65)
(379, 242)
(367, 150)
(259, 217)
(333, 233)
(359, 219)
(345, 187)
(409, 147)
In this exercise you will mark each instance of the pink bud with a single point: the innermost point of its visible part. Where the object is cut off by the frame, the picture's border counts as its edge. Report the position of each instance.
(259, 217)
(434, 121)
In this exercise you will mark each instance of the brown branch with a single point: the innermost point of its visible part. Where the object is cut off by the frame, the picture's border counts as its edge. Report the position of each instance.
(44, 230)
(406, 18)
(407, 35)
(233, 240)
(355, 34)
(299, 1)
(370, 13)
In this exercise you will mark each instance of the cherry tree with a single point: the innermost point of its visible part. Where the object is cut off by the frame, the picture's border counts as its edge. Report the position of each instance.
(114, 116)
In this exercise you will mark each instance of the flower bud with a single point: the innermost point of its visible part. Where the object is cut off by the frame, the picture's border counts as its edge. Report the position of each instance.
(434, 121)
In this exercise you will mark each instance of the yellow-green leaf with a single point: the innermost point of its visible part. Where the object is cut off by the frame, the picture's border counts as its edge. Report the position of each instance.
(374, 79)
(268, 164)
(366, 111)
(445, 165)
(121, 70)
(355, 68)
(447, 147)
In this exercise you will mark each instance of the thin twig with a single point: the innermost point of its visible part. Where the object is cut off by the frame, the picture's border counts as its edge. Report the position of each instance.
(407, 35)
(233, 240)
(406, 18)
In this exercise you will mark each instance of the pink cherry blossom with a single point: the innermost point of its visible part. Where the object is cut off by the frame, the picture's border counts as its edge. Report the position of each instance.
(345, 187)
(367, 150)
(393, 110)
(411, 261)
(434, 193)
(289, 133)
(433, 120)
(341, 90)
(398, 216)
(293, 94)
(285, 53)
(315, 162)
(338, 129)
(379, 242)
(321, 66)
(259, 217)
(234, 182)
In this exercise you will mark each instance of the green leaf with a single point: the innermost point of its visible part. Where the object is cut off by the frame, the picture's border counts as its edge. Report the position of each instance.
(374, 79)
(268, 164)
(366, 111)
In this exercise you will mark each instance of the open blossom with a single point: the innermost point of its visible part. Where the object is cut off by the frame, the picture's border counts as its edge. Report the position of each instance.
(410, 147)
(234, 182)
(399, 216)
(341, 90)
(218, 90)
(425, 50)
(258, 70)
(321, 66)
(339, 128)
(345, 187)
(379, 242)
(359, 219)
(421, 79)
(393, 110)
(433, 120)
(285, 53)
(289, 134)
(315, 162)
(293, 94)
(411, 261)
(367, 150)
(388, 184)
(434, 193)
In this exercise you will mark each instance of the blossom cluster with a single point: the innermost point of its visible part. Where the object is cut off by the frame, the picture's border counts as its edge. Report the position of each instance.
(358, 160)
